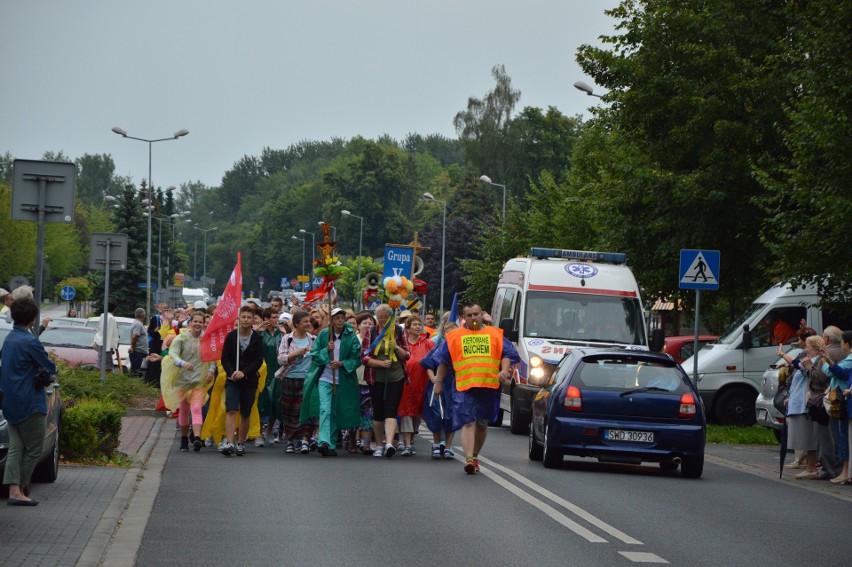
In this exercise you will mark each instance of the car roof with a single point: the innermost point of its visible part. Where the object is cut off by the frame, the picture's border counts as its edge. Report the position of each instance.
(622, 352)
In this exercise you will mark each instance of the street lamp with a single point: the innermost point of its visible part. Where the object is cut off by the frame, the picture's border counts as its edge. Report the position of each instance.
(333, 230)
(123, 133)
(346, 213)
(430, 197)
(486, 179)
(313, 245)
(303, 252)
(586, 88)
(205, 231)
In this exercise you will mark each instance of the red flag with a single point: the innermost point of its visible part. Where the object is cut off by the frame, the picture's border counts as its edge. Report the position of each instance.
(223, 319)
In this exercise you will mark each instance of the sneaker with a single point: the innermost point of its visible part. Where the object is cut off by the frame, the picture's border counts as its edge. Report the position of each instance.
(305, 448)
(379, 452)
(258, 442)
(323, 449)
(390, 450)
(408, 452)
(241, 450)
(222, 445)
(469, 467)
(227, 449)
(436, 451)
(313, 445)
(400, 446)
(184, 444)
(276, 439)
(449, 455)
(476, 465)
(443, 446)
(197, 444)
(191, 436)
(290, 448)
(208, 442)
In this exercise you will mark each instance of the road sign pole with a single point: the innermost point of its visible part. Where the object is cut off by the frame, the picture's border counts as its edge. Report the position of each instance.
(42, 201)
(695, 342)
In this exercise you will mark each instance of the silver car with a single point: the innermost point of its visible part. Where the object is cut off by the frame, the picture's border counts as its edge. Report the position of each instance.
(767, 415)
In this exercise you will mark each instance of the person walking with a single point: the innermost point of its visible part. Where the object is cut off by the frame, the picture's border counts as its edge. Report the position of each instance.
(242, 368)
(294, 358)
(185, 381)
(108, 325)
(386, 374)
(364, 321)
(24, 400)
(331, 387)
(481, 358)
(437, 408)
(269, 402)
(411, 405)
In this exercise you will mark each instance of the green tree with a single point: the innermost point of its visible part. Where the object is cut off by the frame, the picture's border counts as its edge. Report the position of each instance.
(96, 178)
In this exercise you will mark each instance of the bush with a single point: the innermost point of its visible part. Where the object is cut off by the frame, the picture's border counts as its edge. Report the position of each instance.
(90, 428)
(80, 383)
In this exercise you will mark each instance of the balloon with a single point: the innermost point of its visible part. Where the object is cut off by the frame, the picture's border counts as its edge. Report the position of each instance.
(409, 286)
(385, 281)
(391, 287)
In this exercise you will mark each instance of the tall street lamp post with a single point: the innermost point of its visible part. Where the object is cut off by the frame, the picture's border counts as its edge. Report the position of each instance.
(486, 179)
(204, 254)
(313, 245)
(430, 197)
(346, 213)
(586, 88)
(303, 252)
(123, 133)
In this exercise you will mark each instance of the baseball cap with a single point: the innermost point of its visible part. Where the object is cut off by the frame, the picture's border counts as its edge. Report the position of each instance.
(200, 305)
(3, 292)
(336, 310)
(285, 317)
(405, 314)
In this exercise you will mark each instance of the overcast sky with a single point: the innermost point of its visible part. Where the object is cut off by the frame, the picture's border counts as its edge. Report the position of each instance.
(241, 76)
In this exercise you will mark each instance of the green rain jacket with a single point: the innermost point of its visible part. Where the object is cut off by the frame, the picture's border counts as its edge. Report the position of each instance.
(347, 402)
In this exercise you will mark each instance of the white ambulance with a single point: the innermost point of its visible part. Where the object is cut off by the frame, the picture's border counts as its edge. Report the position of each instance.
(555, 299)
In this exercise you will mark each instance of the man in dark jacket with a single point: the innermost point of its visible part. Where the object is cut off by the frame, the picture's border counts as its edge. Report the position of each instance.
(242, 357)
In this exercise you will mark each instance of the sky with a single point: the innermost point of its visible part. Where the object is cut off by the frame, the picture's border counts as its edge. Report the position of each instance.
(243, 76)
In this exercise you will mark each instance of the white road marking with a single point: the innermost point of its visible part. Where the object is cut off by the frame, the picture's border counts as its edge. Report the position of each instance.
(642, 557)
(590, 518)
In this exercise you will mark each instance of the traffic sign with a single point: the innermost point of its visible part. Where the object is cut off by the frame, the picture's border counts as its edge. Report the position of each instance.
(399, 261)
(303, 279)
(297, 286)
(699, 269)
(317, 281)
(67, 293)
(262, 280)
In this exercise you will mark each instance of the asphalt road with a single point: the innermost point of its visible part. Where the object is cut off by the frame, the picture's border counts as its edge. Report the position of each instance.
(272, 508)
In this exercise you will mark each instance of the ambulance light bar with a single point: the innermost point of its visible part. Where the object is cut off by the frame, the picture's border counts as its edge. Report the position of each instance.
(607, 257)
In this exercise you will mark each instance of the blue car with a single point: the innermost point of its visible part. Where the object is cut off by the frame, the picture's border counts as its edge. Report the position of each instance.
(619, 406)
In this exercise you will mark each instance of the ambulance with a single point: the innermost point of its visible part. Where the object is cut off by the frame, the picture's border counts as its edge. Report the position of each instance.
(553, 300)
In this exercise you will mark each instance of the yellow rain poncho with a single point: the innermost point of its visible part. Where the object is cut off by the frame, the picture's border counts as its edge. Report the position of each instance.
(214, 423)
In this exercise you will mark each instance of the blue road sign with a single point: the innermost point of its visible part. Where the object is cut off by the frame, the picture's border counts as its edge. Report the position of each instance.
(285, 283)
(143, 285)
(317, 281)
(297, 286)
(67, 293)
(699, 269)
(398, 261)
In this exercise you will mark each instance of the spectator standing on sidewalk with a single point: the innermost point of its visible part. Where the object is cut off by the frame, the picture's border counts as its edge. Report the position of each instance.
(24, 404)
(801, 431)
(138, 341)
(107, 323)
(242, 370)
(5, 301)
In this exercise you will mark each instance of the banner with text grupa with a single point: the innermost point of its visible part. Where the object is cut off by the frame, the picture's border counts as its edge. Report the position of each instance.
(223, 319)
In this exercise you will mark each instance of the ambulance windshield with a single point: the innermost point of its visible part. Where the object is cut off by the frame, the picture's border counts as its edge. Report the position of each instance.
(584, 318)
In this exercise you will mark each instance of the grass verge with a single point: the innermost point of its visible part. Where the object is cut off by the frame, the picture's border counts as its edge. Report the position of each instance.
(733, 435)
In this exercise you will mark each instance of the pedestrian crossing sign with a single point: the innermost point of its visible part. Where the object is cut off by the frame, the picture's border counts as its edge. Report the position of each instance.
(699, 269)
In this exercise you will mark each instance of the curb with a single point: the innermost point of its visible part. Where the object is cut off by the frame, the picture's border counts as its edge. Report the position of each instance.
(112, 519)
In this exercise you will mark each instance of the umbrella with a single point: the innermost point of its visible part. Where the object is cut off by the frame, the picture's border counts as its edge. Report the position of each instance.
(783, 455)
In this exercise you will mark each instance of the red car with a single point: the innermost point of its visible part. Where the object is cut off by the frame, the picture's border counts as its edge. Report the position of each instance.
(71, 344)
(681, 347)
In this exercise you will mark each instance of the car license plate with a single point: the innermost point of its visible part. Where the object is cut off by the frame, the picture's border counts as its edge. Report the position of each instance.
(635, 436)
(762, 415)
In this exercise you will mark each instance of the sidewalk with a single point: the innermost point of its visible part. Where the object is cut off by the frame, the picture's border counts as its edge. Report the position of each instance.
(77, 515)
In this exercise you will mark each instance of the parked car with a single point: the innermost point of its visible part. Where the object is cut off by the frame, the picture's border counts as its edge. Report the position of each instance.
(67, 322)
(47, 469)
(71, 344)
(767, 415)
(619, 406)
(124, 326)
(682, 347)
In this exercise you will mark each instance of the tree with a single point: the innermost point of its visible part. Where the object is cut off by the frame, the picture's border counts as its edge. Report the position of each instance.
(96, 178)
(695, 103)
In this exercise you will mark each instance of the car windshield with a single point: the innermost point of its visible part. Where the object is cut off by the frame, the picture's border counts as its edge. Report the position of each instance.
(734, 330)
(629, 374)
(584, 317)
(78, 336)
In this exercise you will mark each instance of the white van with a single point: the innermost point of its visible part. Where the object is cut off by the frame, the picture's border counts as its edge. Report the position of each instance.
(191, 295)
(555, 299)
(730, 370)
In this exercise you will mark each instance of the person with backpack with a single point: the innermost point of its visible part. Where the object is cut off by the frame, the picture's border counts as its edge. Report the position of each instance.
(294, 359)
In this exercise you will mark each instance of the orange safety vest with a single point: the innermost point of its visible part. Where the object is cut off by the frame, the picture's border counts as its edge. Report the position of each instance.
(476, 357)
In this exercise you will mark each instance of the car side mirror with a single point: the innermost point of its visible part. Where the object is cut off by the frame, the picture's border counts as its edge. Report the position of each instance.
(508, 327)
(747, 340)
(658, 340)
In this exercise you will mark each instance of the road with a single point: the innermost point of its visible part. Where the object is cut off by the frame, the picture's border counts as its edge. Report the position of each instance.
(272, 508)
